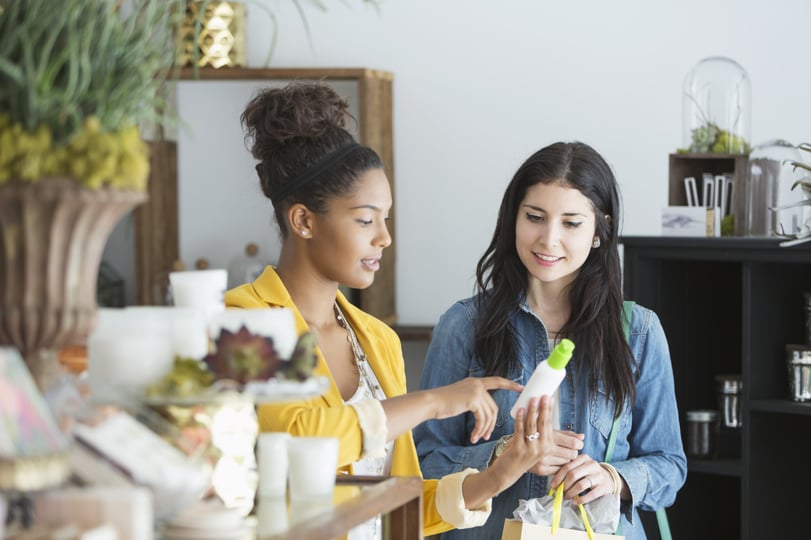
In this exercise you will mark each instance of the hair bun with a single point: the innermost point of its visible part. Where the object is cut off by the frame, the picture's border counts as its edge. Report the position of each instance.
(298, 110)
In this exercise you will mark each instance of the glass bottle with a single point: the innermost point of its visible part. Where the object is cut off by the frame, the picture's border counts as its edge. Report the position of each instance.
(547, 375)
(768, 185)
(716, 104)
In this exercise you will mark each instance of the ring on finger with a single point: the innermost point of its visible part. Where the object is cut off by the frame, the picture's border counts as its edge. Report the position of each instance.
(534, 436)
(591, 484)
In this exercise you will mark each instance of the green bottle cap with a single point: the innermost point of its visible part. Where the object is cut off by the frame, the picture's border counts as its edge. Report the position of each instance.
(561, 355)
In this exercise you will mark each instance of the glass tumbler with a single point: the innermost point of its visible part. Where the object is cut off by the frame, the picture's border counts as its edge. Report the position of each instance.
(729, 400)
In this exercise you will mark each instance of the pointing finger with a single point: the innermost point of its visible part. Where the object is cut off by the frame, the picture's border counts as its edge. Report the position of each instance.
(500, 383)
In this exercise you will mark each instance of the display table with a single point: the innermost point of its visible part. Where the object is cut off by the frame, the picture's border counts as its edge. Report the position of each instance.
(358, 499)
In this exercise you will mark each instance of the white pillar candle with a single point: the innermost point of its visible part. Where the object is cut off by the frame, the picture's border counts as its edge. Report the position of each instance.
(127, 352)
(271, 515)
(202, 289)
(271, 457)
(312, 465)
(186, 327)
(189, 333)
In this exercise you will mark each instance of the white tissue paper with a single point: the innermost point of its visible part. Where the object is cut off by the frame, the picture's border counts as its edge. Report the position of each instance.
(603, 513)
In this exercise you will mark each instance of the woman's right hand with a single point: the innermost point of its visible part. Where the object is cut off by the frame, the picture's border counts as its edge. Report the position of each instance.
(533, 440)
(472, 394)
(552, 448)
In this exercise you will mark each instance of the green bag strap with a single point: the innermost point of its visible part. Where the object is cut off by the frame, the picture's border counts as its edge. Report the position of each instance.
(627, 311)
(664, 524)
(661, 514)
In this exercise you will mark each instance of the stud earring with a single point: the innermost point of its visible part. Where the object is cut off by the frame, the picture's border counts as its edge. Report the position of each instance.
(305, 232)
(596, 243)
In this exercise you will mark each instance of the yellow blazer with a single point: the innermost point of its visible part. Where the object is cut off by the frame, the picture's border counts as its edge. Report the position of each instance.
(327, 416)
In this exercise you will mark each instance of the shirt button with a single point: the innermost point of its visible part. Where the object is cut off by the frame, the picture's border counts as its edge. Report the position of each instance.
(569, 427)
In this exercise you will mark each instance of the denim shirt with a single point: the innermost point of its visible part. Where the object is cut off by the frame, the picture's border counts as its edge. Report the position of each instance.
(648, 453)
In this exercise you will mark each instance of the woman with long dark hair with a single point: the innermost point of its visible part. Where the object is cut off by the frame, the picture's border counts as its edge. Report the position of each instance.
(552, 271)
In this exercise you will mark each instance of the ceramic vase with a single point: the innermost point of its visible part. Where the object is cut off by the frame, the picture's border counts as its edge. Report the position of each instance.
(52, 236)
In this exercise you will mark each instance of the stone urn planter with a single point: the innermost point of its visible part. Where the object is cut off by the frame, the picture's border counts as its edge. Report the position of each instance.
(52, 236)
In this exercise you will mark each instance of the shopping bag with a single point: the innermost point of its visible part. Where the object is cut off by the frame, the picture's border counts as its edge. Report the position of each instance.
(518, 530)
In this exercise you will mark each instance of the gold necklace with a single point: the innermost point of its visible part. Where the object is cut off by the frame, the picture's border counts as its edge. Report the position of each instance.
(357, 352)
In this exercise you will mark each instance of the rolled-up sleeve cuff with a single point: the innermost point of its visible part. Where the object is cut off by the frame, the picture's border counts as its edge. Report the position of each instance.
(450, 502)
(635, 475)
(372, 420)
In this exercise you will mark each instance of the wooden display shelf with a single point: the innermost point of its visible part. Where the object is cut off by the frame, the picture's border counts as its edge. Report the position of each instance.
(414, 332)
(695, 165)
(245, 73)
(397, 498)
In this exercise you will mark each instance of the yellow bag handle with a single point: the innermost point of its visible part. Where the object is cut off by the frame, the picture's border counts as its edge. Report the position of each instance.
(557, 509)
(586, 523)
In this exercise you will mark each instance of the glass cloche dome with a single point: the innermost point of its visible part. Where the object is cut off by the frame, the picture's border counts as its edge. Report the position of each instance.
(716, 103)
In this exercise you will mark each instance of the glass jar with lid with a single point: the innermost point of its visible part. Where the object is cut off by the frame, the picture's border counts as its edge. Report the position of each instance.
(716, 105)
(770, 185)
(702, 434)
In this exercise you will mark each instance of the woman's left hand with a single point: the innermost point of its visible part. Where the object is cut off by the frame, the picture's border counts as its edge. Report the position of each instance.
(582, 474)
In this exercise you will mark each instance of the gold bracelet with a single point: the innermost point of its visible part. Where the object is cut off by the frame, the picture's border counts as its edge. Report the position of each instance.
(615, 477)
(501, 445)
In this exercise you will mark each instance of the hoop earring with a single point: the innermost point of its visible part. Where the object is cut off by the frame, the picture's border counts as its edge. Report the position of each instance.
(596, 243)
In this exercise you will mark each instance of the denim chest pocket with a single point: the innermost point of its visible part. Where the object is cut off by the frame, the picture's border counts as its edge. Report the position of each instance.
(504, 399)
(601, 415)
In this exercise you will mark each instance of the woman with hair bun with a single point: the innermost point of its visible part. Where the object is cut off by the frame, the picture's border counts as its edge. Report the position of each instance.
(331, 200)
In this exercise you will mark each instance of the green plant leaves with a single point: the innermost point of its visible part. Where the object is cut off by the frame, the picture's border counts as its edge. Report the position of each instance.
(62, 63)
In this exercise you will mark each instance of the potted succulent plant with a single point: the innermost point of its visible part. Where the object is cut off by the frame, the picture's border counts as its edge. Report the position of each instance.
(77, 78)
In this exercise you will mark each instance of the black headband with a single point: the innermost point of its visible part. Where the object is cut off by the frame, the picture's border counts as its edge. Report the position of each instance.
(312, 172)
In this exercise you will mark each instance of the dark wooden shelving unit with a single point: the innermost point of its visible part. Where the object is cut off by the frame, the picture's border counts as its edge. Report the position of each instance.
(780, 406)
(731, 305)
(725, 467)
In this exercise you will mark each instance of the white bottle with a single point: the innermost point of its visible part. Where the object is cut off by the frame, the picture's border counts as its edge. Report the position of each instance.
(547, 375)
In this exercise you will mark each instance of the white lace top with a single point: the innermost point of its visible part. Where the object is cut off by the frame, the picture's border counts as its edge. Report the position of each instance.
(368, 389)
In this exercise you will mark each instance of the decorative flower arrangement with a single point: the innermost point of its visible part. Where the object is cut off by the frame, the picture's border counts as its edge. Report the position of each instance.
(75, 81)
(240, 361)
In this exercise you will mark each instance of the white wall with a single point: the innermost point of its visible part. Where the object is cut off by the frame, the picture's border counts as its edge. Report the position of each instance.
(481, 84)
